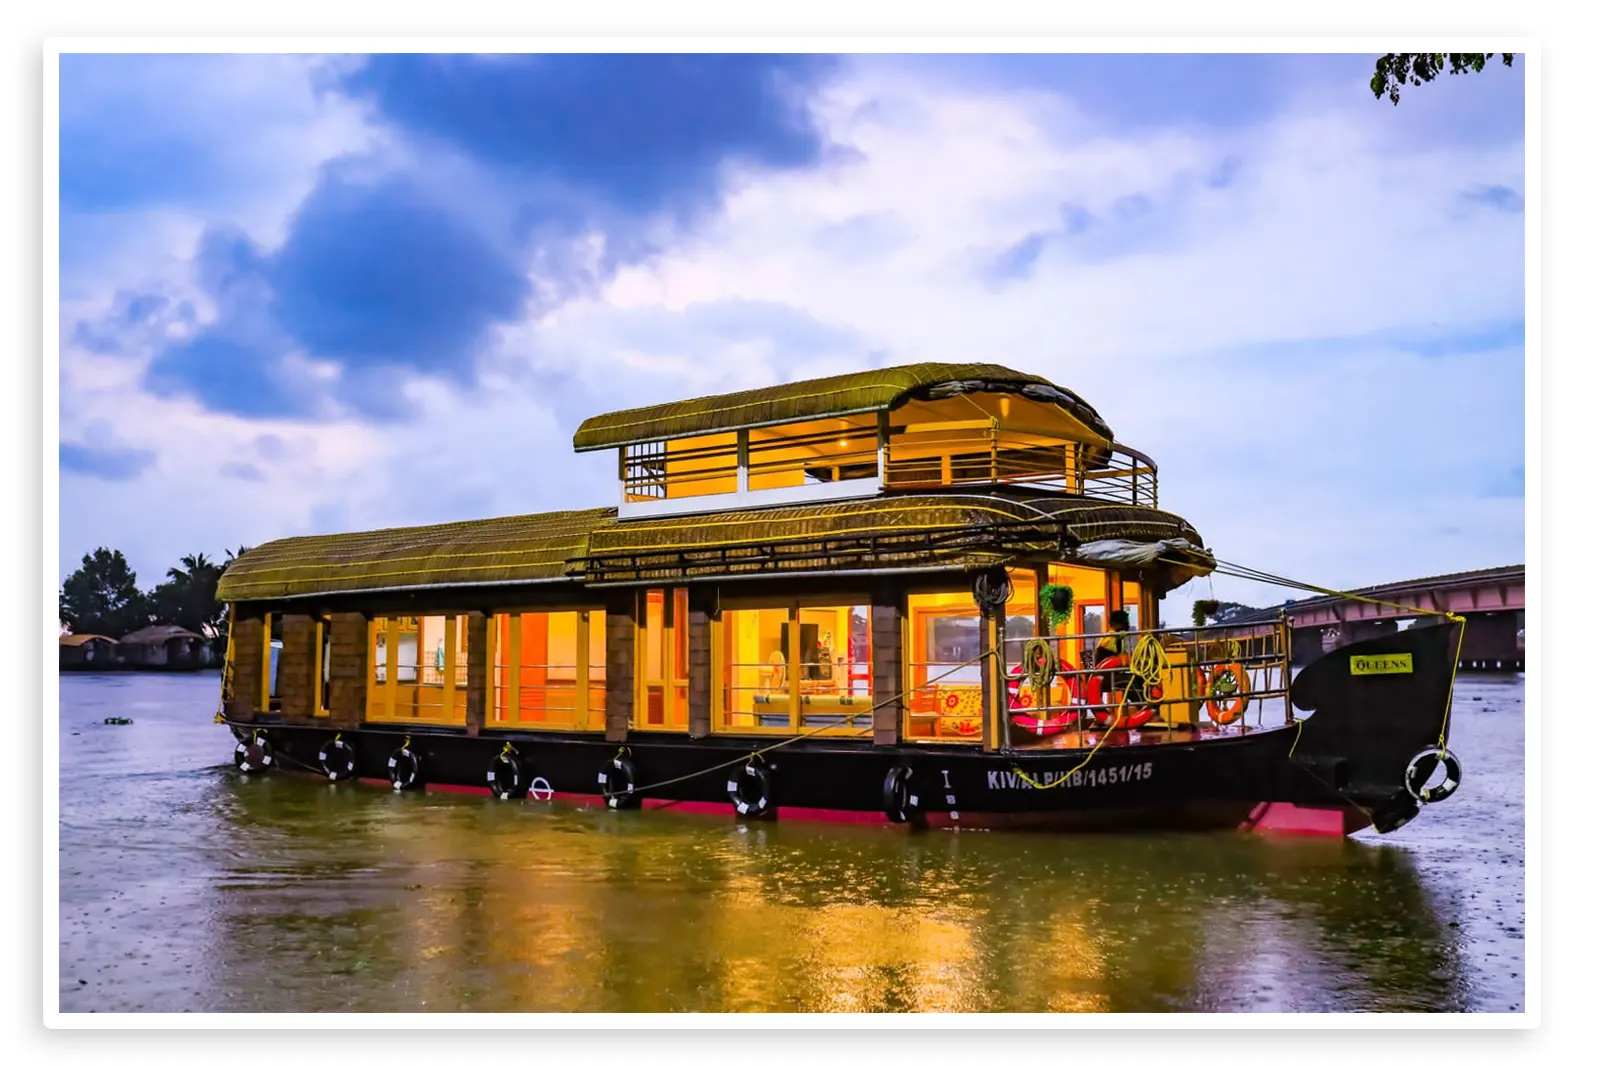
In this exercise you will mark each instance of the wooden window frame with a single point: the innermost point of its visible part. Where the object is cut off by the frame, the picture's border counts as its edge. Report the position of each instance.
(498, 716)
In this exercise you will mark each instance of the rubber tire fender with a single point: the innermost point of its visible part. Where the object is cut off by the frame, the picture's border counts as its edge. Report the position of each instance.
(752, 775)
(405, 769)
(617, 779)
(507, 779)
(900, 802)
(338, 759)
(1421, 767)
(262, 761)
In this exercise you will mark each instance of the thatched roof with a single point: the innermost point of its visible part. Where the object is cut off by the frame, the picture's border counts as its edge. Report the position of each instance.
(950, 529)
(858, 393)
(514, 550)
(947, 529)
(159, 635)
(73, 640)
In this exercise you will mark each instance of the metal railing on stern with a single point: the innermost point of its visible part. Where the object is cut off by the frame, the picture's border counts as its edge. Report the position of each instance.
(1225, 678)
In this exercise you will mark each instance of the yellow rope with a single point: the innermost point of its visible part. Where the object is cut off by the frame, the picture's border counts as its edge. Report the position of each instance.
(226, 692)
(1149, 659)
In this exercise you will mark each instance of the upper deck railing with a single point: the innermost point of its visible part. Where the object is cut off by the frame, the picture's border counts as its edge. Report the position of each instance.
(970, 456)
(738, 469)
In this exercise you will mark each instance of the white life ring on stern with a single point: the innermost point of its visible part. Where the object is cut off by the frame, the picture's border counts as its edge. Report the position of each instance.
(1421, 767)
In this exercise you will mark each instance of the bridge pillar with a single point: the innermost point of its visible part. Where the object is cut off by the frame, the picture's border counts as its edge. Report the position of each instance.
(1490, 642)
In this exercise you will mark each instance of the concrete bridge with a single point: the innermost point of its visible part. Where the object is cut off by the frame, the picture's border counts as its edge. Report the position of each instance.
(1493, 601)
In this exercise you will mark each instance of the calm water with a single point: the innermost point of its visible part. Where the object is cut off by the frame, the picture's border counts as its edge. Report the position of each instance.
(187, 887)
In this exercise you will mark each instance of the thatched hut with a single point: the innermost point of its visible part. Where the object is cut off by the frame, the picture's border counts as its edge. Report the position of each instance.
(166, 648)
(89, 651)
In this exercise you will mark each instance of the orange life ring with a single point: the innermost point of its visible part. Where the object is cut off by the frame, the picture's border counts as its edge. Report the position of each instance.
(1227, 710)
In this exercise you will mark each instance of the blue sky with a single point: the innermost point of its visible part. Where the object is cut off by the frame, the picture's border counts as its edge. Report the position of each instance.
(308, 294)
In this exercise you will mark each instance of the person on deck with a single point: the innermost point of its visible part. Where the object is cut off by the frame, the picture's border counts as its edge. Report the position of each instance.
(1108, 652)
(1110, 645)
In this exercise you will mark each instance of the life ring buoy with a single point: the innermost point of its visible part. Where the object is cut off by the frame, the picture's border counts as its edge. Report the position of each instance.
(616, 782)
(253, 756)
(338, 759)
(1229, 707)
(1421, 767)
(900, 800)
(405, 768)
(750, 790)
(506, 778)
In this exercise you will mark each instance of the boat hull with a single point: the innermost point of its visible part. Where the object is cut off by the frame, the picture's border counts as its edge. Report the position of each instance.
(1124, 782)
(1339, 769)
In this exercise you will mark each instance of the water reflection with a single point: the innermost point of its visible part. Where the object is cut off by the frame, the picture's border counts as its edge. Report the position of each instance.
(201, 889)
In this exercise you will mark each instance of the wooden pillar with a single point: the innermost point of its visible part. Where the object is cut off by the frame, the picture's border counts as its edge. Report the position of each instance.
(888, 669)
(249, 668)
(991, 636)
(297, 666)
(448, 675)
(347, 669)
(699, 672)
(620, 666)
(476, 626)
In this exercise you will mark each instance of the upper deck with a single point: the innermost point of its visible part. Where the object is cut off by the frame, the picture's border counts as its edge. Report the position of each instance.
(924, 467)
(924, 427)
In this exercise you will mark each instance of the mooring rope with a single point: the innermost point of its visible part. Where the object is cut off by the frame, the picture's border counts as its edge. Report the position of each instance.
(1252, 574)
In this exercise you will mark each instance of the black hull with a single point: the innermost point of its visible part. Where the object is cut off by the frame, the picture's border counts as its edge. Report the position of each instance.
(1346, 761)
(1212, 783)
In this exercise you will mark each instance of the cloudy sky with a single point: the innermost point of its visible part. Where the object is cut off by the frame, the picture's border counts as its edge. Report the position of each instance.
(310, 294)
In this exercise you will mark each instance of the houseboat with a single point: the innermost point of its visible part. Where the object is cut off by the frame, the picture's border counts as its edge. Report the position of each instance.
(925, 595)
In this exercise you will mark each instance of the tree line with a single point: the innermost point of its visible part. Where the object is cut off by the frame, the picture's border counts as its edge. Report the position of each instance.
(103, 596)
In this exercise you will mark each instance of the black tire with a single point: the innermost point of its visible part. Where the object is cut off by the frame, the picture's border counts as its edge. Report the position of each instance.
(405, 769)
(507, 778)
(900, 802)
(337, 759)
(617, 780)
(750, 790)
(1421, 768)
(253, 756)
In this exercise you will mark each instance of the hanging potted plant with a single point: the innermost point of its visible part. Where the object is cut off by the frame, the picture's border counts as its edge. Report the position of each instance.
(1055, 602)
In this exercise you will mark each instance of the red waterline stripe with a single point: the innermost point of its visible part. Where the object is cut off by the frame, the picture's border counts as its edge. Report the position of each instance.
(588, 799)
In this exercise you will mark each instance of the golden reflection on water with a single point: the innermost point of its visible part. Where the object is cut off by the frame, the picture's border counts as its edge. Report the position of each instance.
(205, 890)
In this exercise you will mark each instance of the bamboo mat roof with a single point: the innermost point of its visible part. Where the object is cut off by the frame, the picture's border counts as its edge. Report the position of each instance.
(912, 530)
(518, 549)
(856, 393)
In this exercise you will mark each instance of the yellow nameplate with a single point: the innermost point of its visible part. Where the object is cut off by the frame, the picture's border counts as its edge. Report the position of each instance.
(1366, 665)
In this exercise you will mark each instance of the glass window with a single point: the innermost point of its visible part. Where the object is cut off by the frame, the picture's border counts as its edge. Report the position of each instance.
(807, 453)
(755, 669)
(944, 699)
(662, 696)
(537, 680)
(771, 656)
(422, 687)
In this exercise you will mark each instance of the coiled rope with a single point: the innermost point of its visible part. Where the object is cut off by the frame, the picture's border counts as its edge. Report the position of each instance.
(1146, 663)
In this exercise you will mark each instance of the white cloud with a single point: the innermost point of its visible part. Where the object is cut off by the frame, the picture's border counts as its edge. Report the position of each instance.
(1328, 229)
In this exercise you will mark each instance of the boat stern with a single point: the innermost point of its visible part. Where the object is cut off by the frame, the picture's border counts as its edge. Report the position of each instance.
(1380, 716)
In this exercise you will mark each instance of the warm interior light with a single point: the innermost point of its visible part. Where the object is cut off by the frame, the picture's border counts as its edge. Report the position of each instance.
(843, 443)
